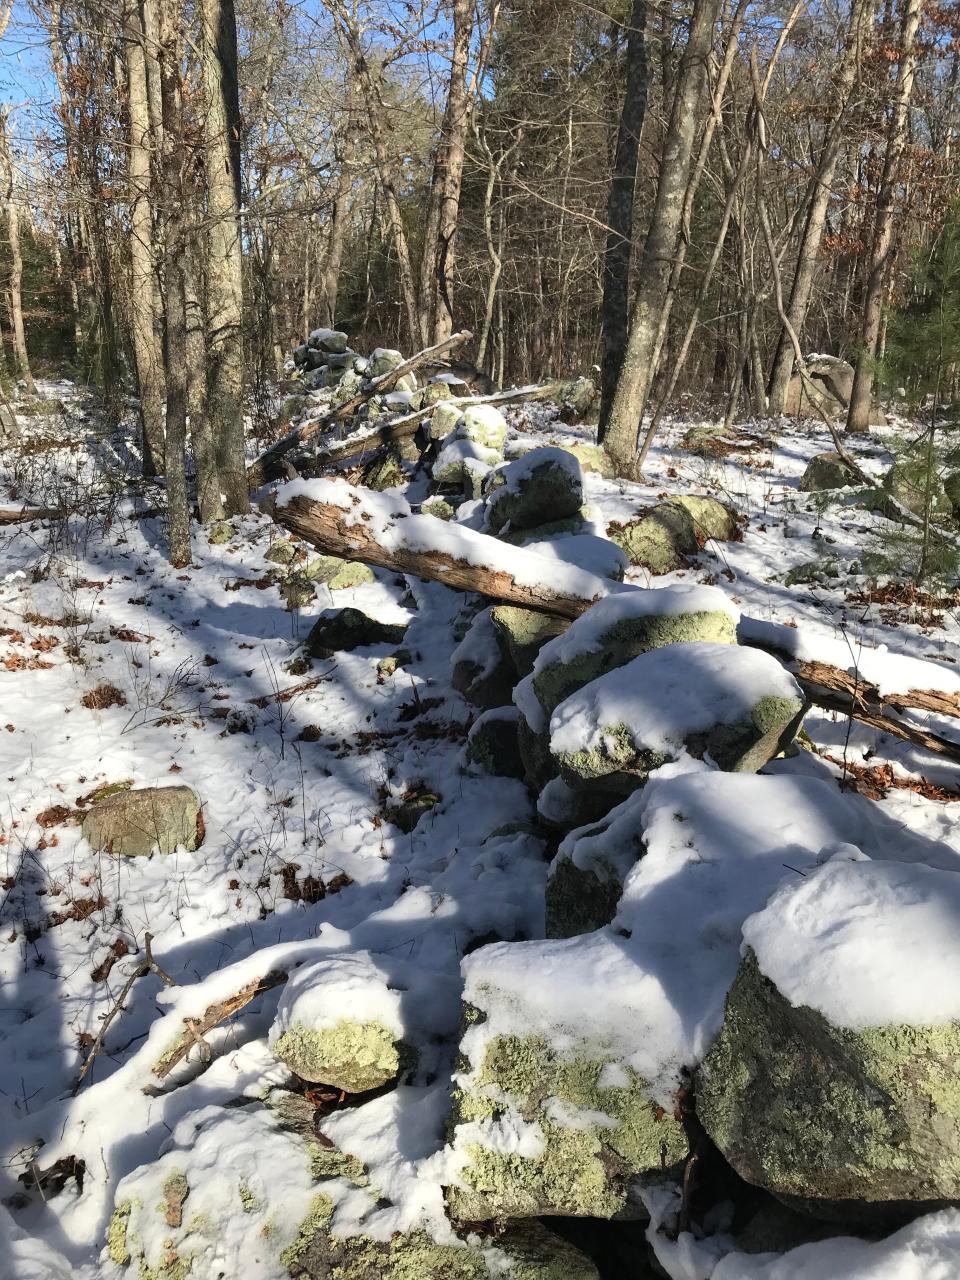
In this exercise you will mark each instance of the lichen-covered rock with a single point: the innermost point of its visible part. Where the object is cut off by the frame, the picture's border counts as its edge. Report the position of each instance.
(661, 541)
(493, 743)
(383, 473)
(291, 407)
(281, 552)
(827, 471)
(482, 670)
(485, 425)
(907, 481)
(592, 457)
(338, 574)
(736, 707)
(712, 519)
(833, 1083)
(577, 398)
(382, 361)
(347, 383)
(444, 419)
(708, 442)
(619, 628)
(539, 766)
(133, 823)
(346, 629)
(462, 463)
(438, 507)
(524, 632)
(587, 875)
(545, 484)
(546, 1119)
(339, 1023)
(331, 340)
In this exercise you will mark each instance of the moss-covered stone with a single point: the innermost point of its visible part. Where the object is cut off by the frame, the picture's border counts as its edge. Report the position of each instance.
(444, 419)
(597, 1138)
(624, 640)
(580, 900)
(539, 766)
(661, 541)
(383, 472)
(592, 457)
(281, 552)
(530, 492)
(291, 407)
(858, 1124)
(117, 1234)
(134, 823)
(438, 507)
(339, 630)
(353, 1056)
(493, 743)
(484, 425)
(524, 632)
(620, 765)
(712, 519)
(219, 532)
(827, 471)
(550, 529)
(907, 482)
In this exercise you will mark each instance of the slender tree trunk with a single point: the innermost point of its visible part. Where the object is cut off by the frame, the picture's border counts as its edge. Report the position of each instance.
(333, 256)
(636, 375)
(15, 279)
(222, 488)
(147, 352)
(174, 250)
(835, 133)
(615, 308)
(858, 418)
(435, 302)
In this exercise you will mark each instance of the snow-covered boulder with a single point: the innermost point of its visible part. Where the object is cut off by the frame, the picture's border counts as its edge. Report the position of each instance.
(339, 1023)
(545, 484)
(492, 743)
(484, 425)
(482, 670)
(585, 550)
(826, 471)
(463, 463)
(382, 360)
(834, 1078)
(564, 807)
(339, 630)
(736, 707)
(549, 1118)
(332, 340)
(712, 519)
(134, 823)
(616, 629)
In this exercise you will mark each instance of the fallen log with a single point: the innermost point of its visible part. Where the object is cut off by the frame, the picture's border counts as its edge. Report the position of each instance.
(12, 515)
(383, 531)
(259, 469)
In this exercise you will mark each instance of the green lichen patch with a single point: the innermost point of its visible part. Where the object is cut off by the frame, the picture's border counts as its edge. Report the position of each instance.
(661, 541)
(175, 1191)
(711, 518)
(524, 632)
(117, 1234)
(828, 1116)
(627, 639)
(596, 1140)
(330, 1162)
(354, 1056)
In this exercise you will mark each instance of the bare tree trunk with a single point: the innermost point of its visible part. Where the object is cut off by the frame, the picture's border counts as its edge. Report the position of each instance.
(224, 491)
(858, 418)
(330, 270)
(147, 352)
(174, 249)
(615, 310)
(637, 371)
(15, 280)
(834, 136)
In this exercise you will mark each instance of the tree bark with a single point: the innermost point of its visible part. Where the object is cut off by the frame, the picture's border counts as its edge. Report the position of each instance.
(615, 307)
(835, 133)
(329, 282)
(437, 261)
(224, 490)
(636, 374)
(858, 417)
(15, 279)
(145, 332)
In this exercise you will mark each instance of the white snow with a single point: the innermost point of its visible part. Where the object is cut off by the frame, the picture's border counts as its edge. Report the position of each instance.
(339, 987)
(665, 696)
(867, 944)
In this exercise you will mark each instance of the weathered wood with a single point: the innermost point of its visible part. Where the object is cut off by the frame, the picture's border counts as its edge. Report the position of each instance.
(259, 469)
(21, 516)
(335, 530)
(195, 1029)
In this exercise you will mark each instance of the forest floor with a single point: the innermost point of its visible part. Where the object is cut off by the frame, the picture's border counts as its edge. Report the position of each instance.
(117, 668)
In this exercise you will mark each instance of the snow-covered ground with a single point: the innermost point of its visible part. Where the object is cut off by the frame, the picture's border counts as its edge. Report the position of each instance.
(114, 667)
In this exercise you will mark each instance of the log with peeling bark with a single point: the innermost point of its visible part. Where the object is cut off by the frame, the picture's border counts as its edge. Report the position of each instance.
(345, 521)
(20, 515)
(194, 1029)
(263, 466)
